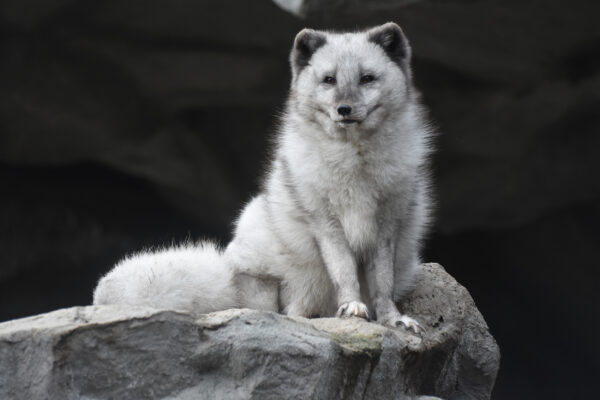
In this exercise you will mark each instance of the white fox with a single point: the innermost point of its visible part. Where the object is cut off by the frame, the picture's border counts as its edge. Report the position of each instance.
(337, 227)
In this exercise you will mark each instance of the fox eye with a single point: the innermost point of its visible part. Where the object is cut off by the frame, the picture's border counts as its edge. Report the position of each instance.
(367, 78)
(330, 80)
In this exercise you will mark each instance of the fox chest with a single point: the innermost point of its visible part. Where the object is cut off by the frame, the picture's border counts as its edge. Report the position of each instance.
(351, 187)
(355, 206)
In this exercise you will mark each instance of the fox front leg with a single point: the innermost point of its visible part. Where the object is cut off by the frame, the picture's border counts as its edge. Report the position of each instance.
(380, 278)
(342, 269)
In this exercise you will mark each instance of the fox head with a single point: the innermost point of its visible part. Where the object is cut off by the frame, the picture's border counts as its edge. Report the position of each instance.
(350, 80)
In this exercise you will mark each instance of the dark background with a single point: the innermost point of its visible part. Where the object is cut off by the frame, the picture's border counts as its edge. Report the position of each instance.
(133, 123)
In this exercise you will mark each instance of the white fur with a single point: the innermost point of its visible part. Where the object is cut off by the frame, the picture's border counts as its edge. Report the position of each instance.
(344, 207)
(191, 278)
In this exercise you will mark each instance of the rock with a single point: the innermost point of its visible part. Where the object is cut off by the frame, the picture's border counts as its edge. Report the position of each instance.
(311, 8)
(131, 353)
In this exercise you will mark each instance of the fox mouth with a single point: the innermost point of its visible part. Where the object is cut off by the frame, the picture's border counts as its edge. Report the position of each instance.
(349, 121)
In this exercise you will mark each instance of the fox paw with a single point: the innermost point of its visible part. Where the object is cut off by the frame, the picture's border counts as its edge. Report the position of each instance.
(395, 320)
(410, 324)
(353, 309)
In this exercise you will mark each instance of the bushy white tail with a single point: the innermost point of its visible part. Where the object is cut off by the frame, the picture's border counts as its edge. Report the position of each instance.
(191, 277)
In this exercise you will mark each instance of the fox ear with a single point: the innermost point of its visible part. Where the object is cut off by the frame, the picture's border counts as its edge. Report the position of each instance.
(306, 43)
(394, 43)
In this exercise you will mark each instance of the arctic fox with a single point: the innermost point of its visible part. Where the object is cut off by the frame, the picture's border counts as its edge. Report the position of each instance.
(337, 227)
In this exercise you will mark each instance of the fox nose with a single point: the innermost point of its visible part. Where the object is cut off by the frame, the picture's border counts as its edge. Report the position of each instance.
(344, 109)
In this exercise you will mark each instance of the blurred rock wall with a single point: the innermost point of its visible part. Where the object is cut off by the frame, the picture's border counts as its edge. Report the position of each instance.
(127, 124)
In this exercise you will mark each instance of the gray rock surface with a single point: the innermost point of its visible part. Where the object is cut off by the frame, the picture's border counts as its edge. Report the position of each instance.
(134, 353)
